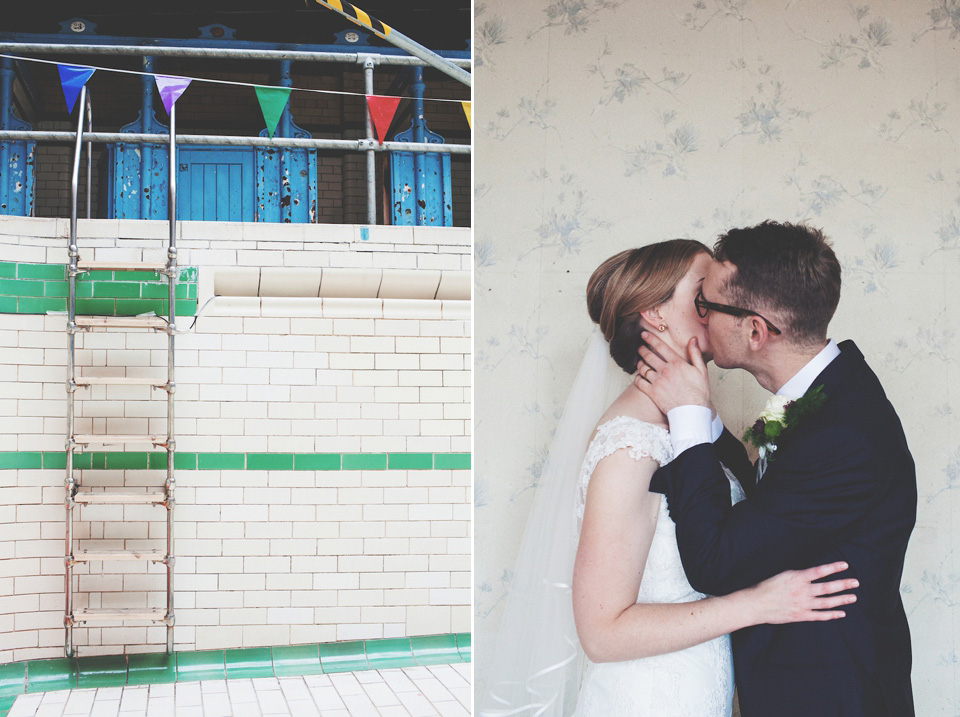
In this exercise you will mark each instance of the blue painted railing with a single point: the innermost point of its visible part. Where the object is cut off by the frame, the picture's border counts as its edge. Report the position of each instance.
(16, 157)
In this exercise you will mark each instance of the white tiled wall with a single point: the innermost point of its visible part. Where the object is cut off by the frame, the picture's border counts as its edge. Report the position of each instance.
(263, 557)
(242, 244)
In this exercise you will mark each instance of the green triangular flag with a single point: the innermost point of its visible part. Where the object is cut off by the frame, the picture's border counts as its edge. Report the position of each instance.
(272, 102)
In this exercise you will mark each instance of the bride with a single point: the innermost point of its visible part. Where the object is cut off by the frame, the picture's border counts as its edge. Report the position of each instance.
(601, 620)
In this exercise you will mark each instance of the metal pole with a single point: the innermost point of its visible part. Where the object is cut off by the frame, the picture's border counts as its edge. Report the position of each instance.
(171, 384)
(69, 483)
(368, 64)
(286, 130)
(89, 157)
(146, 126)
(6, 89)
(6, 96)
(347, 145)
(359, 17)
(217, 53)
(420, 187)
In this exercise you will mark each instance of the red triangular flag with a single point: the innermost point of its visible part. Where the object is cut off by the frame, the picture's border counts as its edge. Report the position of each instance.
(382, 109)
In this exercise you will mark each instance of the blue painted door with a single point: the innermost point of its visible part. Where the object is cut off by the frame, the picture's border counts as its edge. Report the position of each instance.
(215, 184)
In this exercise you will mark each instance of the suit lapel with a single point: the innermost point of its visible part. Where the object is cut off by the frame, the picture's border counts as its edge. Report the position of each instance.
(832, 379)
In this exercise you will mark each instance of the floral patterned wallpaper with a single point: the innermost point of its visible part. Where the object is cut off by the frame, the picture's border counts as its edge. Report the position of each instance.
(605, 124)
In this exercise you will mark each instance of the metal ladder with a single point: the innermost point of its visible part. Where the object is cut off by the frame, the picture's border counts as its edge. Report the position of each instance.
(77, 443)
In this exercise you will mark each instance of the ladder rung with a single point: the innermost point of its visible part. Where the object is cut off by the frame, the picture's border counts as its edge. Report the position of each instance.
(111, 498)
(121, 322)
(85, 556)
(121, 266)
(118, 438)
(120, 381)
(127, 613)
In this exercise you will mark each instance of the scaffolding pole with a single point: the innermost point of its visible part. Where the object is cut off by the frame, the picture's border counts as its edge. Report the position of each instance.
(211, 53)
(343, 145)
(398, 39)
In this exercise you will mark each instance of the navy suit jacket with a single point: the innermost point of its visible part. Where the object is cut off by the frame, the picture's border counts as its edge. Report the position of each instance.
(842, 486)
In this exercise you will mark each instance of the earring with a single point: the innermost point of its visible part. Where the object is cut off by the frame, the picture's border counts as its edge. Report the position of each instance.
(662, 327)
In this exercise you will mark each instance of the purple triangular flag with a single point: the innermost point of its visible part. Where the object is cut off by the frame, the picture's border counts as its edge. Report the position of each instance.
(171, 88)
(73, 79)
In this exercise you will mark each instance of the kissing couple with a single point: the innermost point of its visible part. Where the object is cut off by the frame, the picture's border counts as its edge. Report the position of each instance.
(658, 562)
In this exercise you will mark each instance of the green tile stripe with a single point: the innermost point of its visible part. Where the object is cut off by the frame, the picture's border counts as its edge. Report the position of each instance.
(157, 460)
(17, 678)
(39, 288)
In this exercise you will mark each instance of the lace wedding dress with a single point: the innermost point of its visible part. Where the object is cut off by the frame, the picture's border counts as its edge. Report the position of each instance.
(696, 682)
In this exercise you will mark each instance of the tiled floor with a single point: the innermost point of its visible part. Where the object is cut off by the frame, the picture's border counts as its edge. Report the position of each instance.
(436, 691)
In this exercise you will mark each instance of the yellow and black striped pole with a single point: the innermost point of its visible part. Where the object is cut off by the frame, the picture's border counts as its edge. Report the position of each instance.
(358, 16)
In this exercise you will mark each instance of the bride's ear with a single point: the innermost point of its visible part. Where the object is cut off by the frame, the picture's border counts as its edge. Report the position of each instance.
(651, 319)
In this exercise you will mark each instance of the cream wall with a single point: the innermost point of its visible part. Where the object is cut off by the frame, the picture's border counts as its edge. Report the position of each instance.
(605, 125)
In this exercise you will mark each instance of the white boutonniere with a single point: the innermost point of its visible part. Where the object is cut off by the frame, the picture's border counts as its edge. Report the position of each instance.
(778, 418)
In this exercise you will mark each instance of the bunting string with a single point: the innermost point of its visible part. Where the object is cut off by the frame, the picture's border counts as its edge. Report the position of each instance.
(218, 82)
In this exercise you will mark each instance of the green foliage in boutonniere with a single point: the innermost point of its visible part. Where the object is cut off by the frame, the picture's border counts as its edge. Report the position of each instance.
(779, 418)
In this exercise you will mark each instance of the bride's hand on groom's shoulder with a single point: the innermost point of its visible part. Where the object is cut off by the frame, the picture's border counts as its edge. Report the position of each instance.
(794, 596)
(670, 379)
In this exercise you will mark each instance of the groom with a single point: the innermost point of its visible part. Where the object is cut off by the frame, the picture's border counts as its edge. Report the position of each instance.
(837, 483)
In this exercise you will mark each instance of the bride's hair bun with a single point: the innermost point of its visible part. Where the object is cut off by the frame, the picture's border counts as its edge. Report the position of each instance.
(631, 282)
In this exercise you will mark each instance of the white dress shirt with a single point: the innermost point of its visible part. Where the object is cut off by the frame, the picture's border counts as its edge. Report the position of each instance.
(693, 425)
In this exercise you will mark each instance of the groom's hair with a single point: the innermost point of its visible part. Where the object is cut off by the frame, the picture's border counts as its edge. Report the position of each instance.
(788, 269)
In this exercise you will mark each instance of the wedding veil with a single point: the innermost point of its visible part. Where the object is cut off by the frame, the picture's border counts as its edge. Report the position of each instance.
(537, 663)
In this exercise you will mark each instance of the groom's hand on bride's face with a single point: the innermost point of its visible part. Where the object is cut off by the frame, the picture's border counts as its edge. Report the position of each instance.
(670, 379)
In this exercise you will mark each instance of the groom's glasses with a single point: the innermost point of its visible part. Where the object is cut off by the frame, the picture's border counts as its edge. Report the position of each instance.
(704, 307)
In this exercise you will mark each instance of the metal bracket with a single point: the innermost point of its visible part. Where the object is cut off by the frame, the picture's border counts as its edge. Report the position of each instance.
(368, 61)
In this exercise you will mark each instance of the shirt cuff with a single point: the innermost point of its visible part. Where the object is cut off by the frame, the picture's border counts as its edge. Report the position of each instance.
(691, 426)
(716, 429)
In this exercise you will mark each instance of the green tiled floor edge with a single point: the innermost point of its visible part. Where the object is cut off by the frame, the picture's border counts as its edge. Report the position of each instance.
(17, 678)
(135, 460)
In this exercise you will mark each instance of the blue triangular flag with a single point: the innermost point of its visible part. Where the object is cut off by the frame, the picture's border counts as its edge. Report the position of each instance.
(73, 79)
